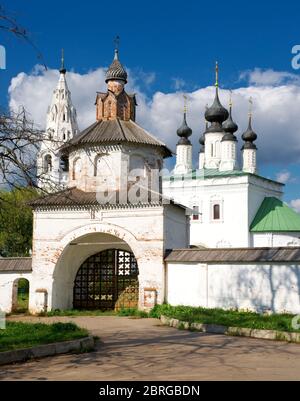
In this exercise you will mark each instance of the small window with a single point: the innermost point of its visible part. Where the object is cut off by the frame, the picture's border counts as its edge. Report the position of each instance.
(47, 164)
(216, 212)
(64, 163)
(195, 213)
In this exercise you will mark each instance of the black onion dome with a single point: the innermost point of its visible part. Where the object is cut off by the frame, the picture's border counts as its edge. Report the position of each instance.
(230, 127)
(216, 113)
(116, 70)
(184, 132)
(249, 137)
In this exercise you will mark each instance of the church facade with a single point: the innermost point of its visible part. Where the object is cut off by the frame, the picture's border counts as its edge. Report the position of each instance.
(113, 233)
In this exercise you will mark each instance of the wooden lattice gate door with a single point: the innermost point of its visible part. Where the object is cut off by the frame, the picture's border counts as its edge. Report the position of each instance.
(107, 280)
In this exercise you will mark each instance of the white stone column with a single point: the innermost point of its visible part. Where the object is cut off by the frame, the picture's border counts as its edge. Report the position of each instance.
(183, 159)
(249, 161)
(201, 160)
(213, 149)
(228, 156)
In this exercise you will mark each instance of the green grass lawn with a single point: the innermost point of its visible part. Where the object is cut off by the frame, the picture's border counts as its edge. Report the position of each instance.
(24, 335)
(74, 312)
(232, 318)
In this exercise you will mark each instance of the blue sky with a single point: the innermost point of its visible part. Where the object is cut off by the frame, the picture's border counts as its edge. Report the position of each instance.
(178, 42)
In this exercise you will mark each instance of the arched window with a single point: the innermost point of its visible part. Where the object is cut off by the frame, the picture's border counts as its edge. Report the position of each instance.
(137, 166)
(216, 212)
(103, 166)
(76, 168)
(64, 163)
(47, 164)
(54, 112)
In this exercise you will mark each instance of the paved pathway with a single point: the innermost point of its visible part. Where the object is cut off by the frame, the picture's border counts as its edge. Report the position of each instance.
(142, 349)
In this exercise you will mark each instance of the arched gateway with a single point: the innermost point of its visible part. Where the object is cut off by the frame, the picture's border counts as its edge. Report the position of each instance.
(107, 280)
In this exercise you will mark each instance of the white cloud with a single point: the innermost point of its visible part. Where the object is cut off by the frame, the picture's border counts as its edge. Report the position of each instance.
(296, 205)
(276, 109)
(283, 176)
(178, 83)
(269, 77)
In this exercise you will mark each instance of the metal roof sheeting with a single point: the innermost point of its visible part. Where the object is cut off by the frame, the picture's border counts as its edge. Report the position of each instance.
(235, 255)
(113, 131)
(15, 264)
(275, 216)
(76, 197)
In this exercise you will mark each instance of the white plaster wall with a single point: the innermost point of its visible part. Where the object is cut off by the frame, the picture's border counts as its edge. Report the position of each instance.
(240, 198)
(6, 288)
(186, 284)
(183, 159)
(275, 239)
(257, 287)
(213, 149)
(231, 193)
(176, 228)
(139, 229)
(118, 167)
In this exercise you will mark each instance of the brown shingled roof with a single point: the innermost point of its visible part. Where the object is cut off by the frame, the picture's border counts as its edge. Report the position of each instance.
(76, 197)
(15, 264)
(235, 255)
(115, 131)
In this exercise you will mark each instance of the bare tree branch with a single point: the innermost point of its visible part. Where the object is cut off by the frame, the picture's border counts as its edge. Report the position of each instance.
(9, 24)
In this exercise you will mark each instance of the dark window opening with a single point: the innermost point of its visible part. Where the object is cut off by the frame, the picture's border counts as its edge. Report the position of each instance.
(217, 214)
(195, 213)
(64, 163)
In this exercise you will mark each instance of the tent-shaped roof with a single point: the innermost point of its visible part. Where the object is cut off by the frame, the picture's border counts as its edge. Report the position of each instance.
(275, 216)
(116, 131)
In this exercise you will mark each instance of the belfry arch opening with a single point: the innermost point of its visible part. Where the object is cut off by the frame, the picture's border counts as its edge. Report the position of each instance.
(91, 264)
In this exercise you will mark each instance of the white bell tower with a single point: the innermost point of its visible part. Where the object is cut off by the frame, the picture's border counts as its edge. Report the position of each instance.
(52, 167)
(249, 149)
(216, 115)
(184, 148)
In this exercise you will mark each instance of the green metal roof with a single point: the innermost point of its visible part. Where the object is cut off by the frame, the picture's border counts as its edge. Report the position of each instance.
(275, 216)
(213, 173)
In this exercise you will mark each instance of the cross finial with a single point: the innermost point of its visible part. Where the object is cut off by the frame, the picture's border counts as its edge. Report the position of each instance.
(185, 99)
(117, 45)
(62, 67)
(217, 75)
(250, 107)
(230, 99)
(117, 42)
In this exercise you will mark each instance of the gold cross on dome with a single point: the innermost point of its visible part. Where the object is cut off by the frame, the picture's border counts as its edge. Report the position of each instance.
(185, 103)
(250, 106)
(230, 98)
(217, 75)
(117, 42)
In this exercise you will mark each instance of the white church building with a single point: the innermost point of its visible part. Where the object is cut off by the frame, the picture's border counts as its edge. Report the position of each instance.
(114, 233)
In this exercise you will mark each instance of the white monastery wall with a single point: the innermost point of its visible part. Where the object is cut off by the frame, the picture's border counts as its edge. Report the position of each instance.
(257, 287)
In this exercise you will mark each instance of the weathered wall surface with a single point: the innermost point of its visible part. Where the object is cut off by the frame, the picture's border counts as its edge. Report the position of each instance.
(258, 287)
(64, 239)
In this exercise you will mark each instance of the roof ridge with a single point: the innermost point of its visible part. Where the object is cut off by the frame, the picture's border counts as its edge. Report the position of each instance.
(120, 125)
